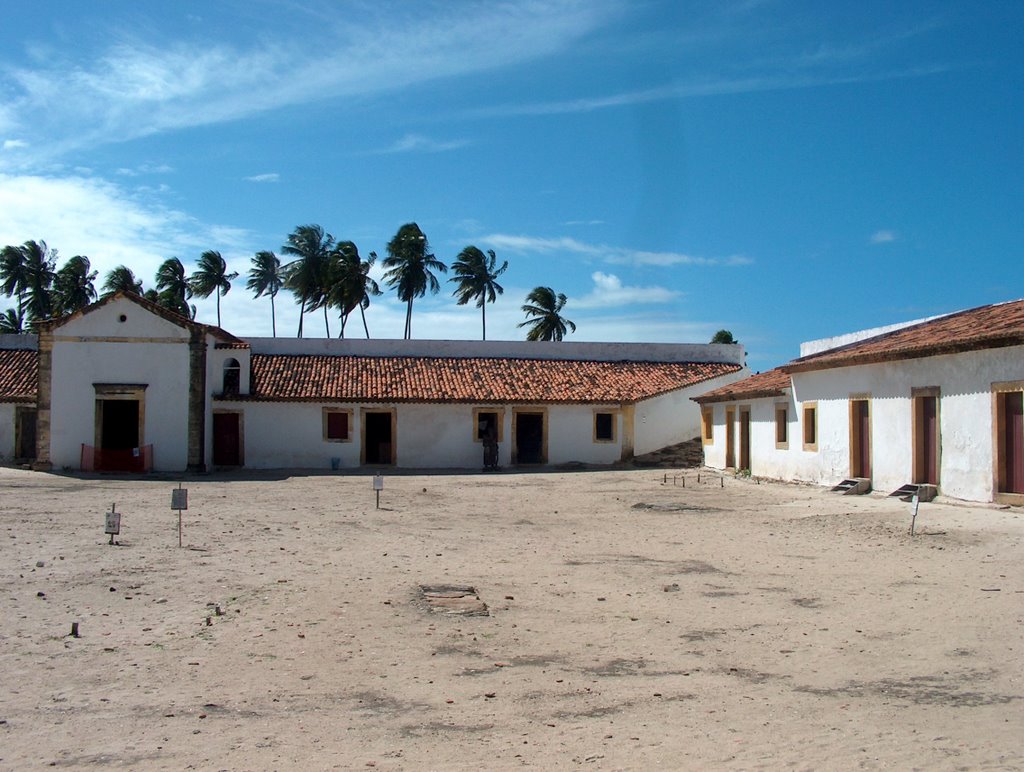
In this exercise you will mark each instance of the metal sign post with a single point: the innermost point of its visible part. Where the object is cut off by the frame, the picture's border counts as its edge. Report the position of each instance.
(378, 486)
(112, 522)
(179, 501)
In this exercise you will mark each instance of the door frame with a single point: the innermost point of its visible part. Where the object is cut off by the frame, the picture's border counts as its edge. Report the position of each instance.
(743, 419)
(730, 438)
(21, 413)
(917, 431)
(543, 413)
(860, 446)
(363, 413)
(118, 391)
(999, 392)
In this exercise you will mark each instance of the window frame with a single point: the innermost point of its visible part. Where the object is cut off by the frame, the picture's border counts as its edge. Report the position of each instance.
(613, 416)
(804, 408)
(499, 417)
(782, 427)
(707, 425)
(328, 411)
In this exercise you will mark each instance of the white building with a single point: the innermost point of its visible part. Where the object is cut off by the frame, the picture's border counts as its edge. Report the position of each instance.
(127, 385)
(936, 402)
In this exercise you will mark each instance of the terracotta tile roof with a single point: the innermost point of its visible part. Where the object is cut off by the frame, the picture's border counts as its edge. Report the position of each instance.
(994, 326)
(313, 378)
(767, 384)
(18, 375)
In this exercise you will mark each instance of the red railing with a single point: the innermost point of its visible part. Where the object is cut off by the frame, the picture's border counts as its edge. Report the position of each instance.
(136, 460)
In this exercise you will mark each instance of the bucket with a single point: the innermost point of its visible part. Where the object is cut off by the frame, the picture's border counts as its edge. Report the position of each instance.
(335, 464)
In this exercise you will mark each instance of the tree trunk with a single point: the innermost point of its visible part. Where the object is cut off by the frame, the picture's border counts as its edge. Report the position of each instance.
(483, 317)
(362, 312)
(327, 324)
(273, 317)
(408, 321)
(302, 310)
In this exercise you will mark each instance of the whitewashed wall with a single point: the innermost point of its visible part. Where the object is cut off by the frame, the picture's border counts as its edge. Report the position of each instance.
(674, 417)
(965, 422)
(152, 351)
(7, 430)
(290, 435)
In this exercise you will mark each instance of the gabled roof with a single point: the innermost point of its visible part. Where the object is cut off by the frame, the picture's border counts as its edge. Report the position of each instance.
(153, 308)
(772, 383)
(318, 378)
(992, 326)
(18, 375)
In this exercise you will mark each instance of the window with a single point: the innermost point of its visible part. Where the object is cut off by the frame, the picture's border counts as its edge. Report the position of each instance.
(232, 377)
(811, 426)
(487, 420)
(337, 425)
(781, 427)
(604, 427)
(707, 424)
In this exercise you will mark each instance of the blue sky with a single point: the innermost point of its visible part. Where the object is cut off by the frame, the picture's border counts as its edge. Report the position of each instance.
(785, 170)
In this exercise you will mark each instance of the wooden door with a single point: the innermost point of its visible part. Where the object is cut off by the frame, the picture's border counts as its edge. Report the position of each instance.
(227, 438)
(730, 448)
(860, 438)
(1013, 442)
(928, 440)
(745, 439)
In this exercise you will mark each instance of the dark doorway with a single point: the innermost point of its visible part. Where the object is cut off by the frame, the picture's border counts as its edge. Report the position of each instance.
(860, 438)
(926, 440)
(119, 449)
(745, 439)
(377, 438)
(227, 439)
(730, 445)
(25, 434)
(530, 438)
(1011, 442)
(120, 424)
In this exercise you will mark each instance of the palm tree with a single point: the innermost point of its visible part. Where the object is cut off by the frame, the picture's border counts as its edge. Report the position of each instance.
(350, 285)
(476, 276)
(12, 322)
(13, 276)
(265, 278)
(121, 279)
(212, 278)
(74, 285)
(38, 266)
(410, 268)
(543, 307)
(305, 276)
(174, 286)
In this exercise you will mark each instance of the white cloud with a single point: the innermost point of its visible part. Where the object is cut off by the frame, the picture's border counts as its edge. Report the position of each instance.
(618, 255)
(14, 144)
(411, 143)
(609, 292)
(883, 237)
(133, 88)
(144, 169)
(92, 217)
(270, 177)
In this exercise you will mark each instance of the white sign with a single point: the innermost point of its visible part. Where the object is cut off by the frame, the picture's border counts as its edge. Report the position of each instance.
(112, 525)
(179, 498)
(378, 482)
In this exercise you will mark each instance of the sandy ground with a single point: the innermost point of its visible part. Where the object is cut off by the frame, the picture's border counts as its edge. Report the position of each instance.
(750, 626)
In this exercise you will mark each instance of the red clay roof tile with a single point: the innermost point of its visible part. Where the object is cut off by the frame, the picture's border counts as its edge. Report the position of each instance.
(18, 375)
(993, 326)
(314, 378)
(767, 384)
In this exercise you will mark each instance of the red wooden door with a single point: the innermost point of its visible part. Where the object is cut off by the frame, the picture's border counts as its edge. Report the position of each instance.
(1013, 442)
(226, 439)
(930, 439)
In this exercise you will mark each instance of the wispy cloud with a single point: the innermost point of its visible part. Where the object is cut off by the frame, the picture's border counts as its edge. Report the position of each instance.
(134, 87)
(145, 169)
(883, 237)
(583, 222)
(269, 177)
(609, 292)
(14, 144)
(417, 143)
(619, 255)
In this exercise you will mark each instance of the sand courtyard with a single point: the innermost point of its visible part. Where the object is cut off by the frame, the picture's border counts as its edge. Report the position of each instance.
(616, 620)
